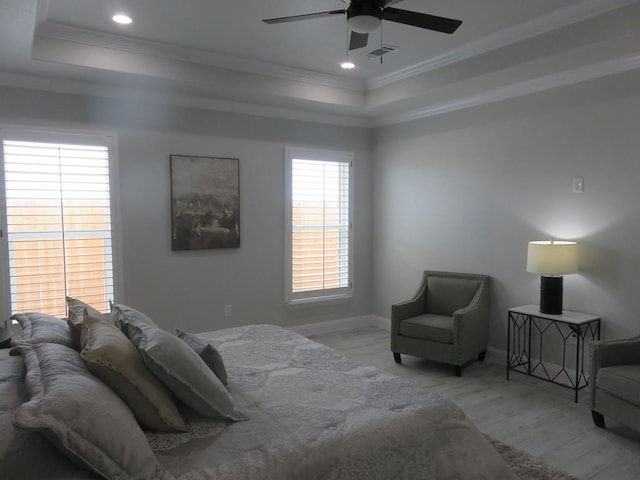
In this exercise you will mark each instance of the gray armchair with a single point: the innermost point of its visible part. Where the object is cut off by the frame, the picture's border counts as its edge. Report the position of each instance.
(447, 320)
(615, 381)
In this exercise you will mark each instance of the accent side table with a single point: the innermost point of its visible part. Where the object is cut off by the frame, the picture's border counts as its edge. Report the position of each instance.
(526, 325)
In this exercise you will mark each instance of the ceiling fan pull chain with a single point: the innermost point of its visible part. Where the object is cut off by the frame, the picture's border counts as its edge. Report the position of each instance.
(381, 43)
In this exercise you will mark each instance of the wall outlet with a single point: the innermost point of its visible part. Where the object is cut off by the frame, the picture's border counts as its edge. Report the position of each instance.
(228, 310)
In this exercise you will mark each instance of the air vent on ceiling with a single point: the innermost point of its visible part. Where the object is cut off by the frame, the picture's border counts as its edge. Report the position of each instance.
(381, 51)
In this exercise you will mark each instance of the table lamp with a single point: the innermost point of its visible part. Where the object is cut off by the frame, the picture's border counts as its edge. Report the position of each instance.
(552, 259)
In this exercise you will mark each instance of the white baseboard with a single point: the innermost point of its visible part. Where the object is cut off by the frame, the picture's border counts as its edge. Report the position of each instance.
(329, 326)
(496, 356)
(380, 322)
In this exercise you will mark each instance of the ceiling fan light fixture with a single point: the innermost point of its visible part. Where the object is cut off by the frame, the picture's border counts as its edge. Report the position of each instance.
(363, 23)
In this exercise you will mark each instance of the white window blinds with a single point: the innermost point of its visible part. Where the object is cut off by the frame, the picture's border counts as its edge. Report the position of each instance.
(58, 225)
(320, 228)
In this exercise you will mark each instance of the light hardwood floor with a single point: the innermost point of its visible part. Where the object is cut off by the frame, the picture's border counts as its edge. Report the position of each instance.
(535, 416)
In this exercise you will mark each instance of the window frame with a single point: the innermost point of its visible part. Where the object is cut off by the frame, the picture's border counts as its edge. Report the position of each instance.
(63, 136)
(322, 295)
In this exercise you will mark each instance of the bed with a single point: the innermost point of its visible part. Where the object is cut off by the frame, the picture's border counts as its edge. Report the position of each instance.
(313, 413)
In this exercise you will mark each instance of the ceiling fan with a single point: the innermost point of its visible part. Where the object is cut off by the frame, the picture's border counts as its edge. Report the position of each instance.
(365, 16)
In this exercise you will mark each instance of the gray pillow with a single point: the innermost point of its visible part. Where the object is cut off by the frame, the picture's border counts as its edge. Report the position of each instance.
(122, 312)
(81, 416)
(180, 369)
(207, 352)
(42, 328)
(115, 360)
(76, 317)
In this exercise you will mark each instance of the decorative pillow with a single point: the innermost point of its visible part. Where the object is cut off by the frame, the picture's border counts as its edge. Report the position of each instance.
(122, 312)
(207, 352)
(114, 359)
(181, 370)
(42, 328)
(76, 314)
(81, 416)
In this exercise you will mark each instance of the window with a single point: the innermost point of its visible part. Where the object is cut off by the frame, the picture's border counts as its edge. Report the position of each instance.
(57, 238)
(318, 225)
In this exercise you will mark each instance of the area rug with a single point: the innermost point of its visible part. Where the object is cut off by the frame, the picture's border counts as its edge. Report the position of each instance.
(525, 466)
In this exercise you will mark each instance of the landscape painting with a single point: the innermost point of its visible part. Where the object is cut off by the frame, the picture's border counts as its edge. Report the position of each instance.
(205, 202)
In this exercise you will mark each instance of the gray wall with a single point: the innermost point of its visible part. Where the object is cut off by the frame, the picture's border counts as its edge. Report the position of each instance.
(466, 191)
(190, 289)
(463, 191)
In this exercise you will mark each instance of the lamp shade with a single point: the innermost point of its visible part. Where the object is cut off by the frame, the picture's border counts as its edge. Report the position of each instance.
(552, 257)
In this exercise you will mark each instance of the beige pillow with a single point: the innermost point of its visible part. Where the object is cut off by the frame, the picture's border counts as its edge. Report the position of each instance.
(114, 359)
(75, 317)
(81, 416)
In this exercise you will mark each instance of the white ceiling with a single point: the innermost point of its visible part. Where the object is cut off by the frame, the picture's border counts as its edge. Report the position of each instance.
(219, 54)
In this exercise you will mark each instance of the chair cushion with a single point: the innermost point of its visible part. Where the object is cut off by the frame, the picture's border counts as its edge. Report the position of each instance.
(446, 295)
(437, 328)
(622, 381)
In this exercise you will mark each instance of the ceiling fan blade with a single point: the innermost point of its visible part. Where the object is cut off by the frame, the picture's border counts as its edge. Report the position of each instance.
(358, 40)
(422, 20)
(308, 16)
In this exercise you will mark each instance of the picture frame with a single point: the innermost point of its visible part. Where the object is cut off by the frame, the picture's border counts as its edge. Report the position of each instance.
(205, 202)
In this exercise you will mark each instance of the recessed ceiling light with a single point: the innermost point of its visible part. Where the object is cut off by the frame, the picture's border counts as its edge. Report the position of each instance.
(122, 19)
(347, 65)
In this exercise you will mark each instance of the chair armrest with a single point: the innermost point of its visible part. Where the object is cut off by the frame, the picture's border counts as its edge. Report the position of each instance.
(409, 308)
(606, 353)
(475, 308)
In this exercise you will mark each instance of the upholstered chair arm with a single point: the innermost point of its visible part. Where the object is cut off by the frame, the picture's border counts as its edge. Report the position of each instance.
(473, 311)
(409, 308)
(605, 353)
(467, 320)
(470, 324)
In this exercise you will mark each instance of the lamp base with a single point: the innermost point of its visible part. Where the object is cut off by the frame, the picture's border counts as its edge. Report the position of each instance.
(551, 295)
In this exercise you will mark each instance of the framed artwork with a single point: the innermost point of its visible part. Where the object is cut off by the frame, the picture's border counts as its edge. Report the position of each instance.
(205, 202)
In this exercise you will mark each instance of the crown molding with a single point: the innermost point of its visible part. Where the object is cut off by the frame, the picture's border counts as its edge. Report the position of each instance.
(75, 87)
(52, 30)
(518, 32)
(546, 82)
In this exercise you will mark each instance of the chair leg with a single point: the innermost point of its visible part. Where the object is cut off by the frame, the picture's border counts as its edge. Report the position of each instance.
(458, 369)
(598, 419)
(396, 357)
(481, 355)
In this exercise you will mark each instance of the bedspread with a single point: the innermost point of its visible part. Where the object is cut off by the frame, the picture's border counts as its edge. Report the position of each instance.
(314, 413)
(318, 414)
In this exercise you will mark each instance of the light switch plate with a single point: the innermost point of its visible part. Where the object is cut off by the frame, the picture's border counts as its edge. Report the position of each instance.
(578, 184)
